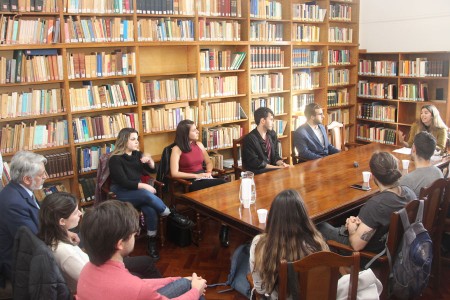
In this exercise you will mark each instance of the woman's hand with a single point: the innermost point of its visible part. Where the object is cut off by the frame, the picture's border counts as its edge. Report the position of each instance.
(198, 283)
(401, 137)
(147, 159)
(203, 175)
(148, 187)
(73, 237)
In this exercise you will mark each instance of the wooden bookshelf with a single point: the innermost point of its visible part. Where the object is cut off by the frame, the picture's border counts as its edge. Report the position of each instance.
(392, 88)
(174, 55)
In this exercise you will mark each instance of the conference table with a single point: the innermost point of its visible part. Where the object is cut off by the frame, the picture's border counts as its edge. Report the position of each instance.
(324, 185)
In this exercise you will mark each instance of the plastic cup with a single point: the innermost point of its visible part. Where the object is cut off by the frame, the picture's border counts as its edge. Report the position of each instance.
(366, 176)
(405, 164)
(262, 215)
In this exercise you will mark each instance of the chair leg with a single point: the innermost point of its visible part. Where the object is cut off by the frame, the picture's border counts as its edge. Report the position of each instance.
(384, 278)
(197, 233)
(162, 230)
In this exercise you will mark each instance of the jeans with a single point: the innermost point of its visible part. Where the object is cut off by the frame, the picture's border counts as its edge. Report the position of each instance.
(337, 234)
(176, 288)
(147, 202)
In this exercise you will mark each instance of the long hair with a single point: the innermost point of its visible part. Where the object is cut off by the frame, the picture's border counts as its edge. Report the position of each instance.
(289, 235)
(182, 135)
(384, 167)
(122, 140)
(55, 207)
(436, 122)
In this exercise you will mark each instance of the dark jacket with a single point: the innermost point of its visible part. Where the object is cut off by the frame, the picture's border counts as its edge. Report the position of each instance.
(164, 165)
(308, 145)
(35, 272)
(102, 178)
(254, 154)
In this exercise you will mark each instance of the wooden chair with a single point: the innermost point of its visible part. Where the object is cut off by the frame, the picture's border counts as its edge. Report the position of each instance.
(237, 168)
(296, 159)
(395, 234)
(436, 198)
(318, 275)
(337, 134)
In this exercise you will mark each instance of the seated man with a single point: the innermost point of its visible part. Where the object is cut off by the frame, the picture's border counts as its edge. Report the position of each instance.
(107, 243)
(260, 146)
(425, 173)
(311, 139)
(18, 207)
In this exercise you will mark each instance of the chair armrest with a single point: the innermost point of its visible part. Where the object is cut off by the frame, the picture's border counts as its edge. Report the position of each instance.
(366, 254)
(219, 171)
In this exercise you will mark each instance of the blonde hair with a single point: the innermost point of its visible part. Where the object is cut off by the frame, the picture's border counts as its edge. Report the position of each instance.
(122, 139)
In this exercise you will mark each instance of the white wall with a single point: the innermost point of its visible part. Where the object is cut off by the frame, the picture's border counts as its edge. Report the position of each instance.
(404, 25)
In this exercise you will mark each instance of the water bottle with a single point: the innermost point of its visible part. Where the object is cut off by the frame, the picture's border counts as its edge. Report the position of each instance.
(247, 191)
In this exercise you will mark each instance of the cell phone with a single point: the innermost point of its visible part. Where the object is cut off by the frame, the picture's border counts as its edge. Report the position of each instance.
(361, 187)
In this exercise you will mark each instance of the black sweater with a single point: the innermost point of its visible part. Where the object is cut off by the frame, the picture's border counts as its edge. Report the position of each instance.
(126, 170)
(254, 153)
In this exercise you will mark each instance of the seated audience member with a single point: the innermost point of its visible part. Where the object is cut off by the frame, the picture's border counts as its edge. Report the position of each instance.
(58, 214)
(107, 243)
(366, 231)
(425, 173)
(126, 165)
(311, 139)
(260, 146)
(289, 235)
(430, 121)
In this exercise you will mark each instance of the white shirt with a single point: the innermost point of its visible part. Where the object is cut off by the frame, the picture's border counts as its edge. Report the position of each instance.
(318, 133)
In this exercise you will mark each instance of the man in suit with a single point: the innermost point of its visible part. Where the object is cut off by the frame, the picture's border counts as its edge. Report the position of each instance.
(18, 207)
(311, 139)
(260, 146)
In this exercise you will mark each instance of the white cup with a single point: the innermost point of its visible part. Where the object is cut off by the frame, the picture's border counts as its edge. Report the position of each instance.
(262, 215)
(246, 202)
(405, 164)
(366, 176)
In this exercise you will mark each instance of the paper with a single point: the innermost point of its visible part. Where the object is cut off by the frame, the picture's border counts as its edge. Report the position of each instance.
(403, 150)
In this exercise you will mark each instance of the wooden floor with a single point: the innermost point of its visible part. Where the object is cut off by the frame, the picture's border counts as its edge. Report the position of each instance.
(212, 262)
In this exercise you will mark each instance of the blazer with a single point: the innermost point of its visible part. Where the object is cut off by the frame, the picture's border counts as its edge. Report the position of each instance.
(17, 208)
(308, 145)
(254, 154)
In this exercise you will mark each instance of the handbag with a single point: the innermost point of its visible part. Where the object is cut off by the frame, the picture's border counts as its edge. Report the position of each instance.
(369, 287)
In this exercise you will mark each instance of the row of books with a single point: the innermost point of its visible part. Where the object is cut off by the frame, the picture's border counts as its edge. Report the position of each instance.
(87, 129)
(215, 112)
(78, 30)
(167, 117)
(339, 115)
(217, 160)
(219, 8)
(59, 164)
(299, 102)
(377, 67)
(422, 67)
(340, 35)
(220, 60)
(86, 186)
(168, 90)
(377, 90)
(266, 31)
(413, 92)
(340, 12)
(99, 6)
(338, 97)
(29, 66)
(266, 9)
(88, 157)
(101, 64)
(34, 103)
(29, 5)
(306, 57)
(305, 33)
(266, 57)
(279, 126)
(310, 12)
(34, 136)
(338, 76)
(377, 134)
(275, 103)
(220, 137)
(377, 111)
(338, 57)
(15, 30)
(217, 86)
(166, 7)
(266, 83)
(305, 80)
(221, 30)
(109, 95)
(166, 29)
(48, 190)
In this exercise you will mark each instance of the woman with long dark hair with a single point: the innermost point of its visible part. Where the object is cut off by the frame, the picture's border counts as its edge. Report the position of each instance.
(289, 234)
(126, 165)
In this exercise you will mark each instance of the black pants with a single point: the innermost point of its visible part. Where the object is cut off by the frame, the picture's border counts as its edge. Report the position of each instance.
(141, 266)
(205, 183)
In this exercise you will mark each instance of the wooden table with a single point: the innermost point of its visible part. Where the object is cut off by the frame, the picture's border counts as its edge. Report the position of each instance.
(323, 184)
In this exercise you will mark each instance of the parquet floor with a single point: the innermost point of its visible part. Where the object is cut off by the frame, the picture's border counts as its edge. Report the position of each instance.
(212, 262)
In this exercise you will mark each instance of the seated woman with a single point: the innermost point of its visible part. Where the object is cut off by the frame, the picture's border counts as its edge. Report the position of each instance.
(289, 234)
(126, 165)
(58, 214)
(366, 231)
(186, 162)
(430, 121)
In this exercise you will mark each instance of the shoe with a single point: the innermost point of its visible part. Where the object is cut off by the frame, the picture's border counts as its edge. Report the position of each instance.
(180, 219)
(152, 249)
(223, 236)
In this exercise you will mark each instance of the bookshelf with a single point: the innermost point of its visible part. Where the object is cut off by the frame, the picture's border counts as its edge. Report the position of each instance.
(148, 64)
(392, 88)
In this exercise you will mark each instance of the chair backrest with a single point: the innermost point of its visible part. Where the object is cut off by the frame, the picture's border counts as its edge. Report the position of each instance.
(337, 135)
(237, 169)
(296, 159)
(434, 199)
(318, 275)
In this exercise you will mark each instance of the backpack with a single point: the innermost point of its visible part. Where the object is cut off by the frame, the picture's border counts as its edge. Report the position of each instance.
(240, 267)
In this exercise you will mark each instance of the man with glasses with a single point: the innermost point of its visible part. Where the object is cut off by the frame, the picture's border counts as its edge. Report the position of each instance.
(311, 139)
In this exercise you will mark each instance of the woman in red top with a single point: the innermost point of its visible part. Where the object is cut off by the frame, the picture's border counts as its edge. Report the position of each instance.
(187, 160)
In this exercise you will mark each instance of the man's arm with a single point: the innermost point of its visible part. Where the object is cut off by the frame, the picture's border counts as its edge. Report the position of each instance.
(20, 216)
(359, 235)
(250, 156)
(301, 144)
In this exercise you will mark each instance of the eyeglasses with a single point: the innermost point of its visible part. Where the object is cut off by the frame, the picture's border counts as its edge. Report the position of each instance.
(319, 114)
